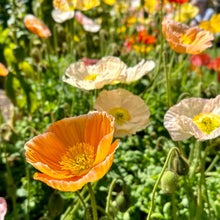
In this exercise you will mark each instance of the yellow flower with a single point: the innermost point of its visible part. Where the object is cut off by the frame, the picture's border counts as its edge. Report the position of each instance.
(212, 25)
(130, 111)
(150, 5)
(188, 11)
(194, 117)
(109, 2)
(69, 5)
(73, 151)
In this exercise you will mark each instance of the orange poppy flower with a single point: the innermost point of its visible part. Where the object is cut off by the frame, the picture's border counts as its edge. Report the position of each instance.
(36, 26)
(184, 39)
(3, 70)
(73, 151)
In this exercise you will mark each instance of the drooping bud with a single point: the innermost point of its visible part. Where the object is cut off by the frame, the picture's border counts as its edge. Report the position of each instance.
(55, 204)
(181, 165)
(169, 181)
(123, 202)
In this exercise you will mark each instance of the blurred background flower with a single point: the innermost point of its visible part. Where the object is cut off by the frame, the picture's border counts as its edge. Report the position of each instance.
(36, 26)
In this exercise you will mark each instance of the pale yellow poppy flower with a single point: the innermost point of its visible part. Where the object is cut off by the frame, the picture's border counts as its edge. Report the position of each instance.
(188, 12)
(108, 70)
(69, 5)
(194, 117)
(130, 111)
(89, 77)
(138, 71)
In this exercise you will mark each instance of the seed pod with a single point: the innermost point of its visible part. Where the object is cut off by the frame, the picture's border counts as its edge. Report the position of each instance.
(55, 204)
(169, 182)
(123, 202)
(181, 165)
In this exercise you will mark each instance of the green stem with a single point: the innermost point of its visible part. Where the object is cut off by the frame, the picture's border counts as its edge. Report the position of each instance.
(93, 202)
(28, 189)
(174, 210)
(110, 195)
(199, 197)
(213, 163)
(81, 199)
(159, 178)
(11, 184)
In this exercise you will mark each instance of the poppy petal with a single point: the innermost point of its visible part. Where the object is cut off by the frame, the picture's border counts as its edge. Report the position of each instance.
(76, 183)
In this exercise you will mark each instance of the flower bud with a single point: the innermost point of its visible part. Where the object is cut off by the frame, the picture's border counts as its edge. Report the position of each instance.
(123, 202)
(169, 182)
(180, 165)
(55, 204)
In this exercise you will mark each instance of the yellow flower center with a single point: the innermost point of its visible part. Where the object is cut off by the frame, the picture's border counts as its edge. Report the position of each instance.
(91, 77)
(187, 39)
(207, 122)
(78, 159)
(120, 114)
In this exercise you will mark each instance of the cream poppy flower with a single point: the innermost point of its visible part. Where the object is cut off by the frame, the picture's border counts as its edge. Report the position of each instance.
(138, 71)
(60, 16)
(106, 71)
(194, 117)
(130, 111)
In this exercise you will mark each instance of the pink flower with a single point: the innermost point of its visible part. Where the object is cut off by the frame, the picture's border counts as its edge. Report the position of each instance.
(200, 59)
(3, 208)
(88, 62)
(87, 23)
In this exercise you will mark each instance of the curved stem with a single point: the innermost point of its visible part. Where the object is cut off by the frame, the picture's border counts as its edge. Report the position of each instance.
(93, 202)
(159, 178)
(81, 199)
(110, 195)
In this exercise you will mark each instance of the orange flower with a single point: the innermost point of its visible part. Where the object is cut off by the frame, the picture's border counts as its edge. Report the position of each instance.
(184, 39)
(3, 70)
(36, 26)
(146, 38)
(73, 151)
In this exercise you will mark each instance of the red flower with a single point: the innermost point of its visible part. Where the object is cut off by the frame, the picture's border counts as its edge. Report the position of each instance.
(200, 59)
(178, 1)
(144, 37)
(215, 64)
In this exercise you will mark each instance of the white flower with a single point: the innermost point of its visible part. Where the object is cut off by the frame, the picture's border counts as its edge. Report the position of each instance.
(138, 71)
(194, 117)
(60, 16)
(106, 71)
(130, 111)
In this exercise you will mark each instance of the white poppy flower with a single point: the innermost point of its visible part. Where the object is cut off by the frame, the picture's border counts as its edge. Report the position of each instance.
(194, 117)
(60, 16)
(130, 111)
